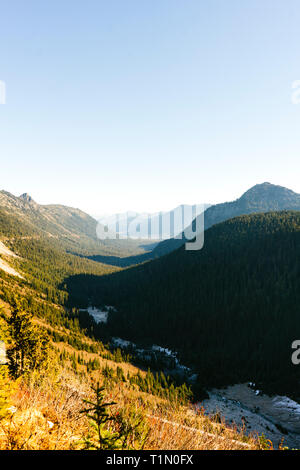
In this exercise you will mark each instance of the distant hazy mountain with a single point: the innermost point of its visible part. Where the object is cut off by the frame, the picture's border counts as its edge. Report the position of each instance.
(76, 230)
(260, 198)
(159, 225)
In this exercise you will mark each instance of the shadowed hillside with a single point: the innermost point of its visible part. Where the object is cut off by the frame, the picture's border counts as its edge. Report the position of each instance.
(231, 309)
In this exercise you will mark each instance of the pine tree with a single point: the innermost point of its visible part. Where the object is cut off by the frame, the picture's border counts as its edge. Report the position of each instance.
(98, 415)
(6, 385)
(29, 346)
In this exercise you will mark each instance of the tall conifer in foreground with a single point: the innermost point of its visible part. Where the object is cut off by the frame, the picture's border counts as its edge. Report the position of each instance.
(29, 346)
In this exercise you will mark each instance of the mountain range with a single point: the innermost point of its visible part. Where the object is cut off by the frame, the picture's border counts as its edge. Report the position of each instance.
(75, 230)
(263, 197)
(260, 198)
(155, 225)
(230, 310)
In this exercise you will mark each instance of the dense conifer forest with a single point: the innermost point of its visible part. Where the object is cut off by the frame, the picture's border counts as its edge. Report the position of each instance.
(231, 309)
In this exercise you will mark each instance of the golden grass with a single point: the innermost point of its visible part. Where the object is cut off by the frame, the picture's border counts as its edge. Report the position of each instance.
(46, 412)
(46, 416)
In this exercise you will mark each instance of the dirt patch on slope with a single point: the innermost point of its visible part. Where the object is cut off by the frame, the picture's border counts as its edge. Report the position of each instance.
(4, 251)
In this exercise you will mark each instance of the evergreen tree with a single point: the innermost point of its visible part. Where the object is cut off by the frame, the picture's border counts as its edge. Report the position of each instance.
(6, 385)
(96, 411)
(29, 346)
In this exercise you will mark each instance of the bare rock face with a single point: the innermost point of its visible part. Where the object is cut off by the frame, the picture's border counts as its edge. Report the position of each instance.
(26, 197)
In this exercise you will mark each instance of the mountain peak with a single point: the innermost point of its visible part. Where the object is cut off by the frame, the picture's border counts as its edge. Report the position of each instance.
(268, 190)
(26, 197)
(263, 197)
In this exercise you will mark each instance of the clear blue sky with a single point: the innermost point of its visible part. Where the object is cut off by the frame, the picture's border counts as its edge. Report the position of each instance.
(146, 104)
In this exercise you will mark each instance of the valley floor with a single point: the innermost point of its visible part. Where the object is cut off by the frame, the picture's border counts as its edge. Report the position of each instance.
(275, 417)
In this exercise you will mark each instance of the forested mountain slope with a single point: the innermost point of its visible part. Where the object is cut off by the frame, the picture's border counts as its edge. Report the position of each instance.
(73, 229)
(264, 197)
(51, 362)
(42, 261)
(231, 309)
